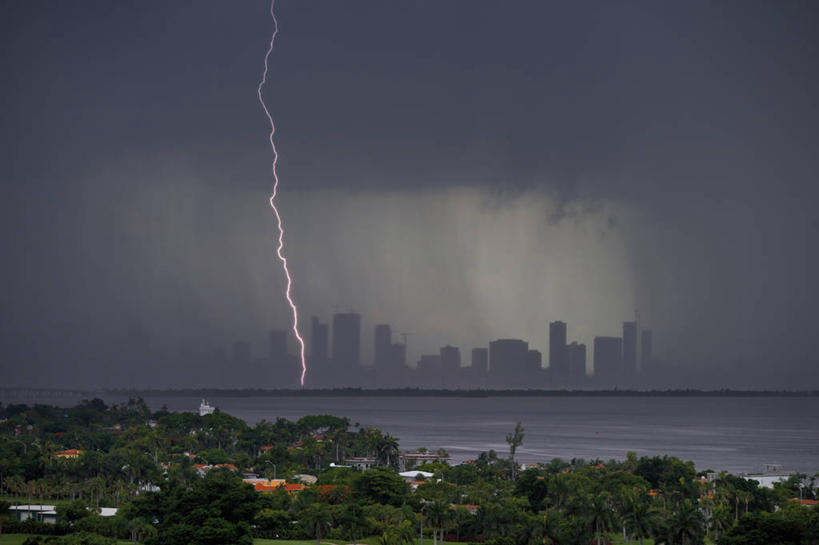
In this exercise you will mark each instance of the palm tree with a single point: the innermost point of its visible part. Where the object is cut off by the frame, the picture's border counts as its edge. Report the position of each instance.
(640, 519)
(315, 518)
(387, 447)
(515, 439)
(600, 513)
(720, 520)
(338, 438)
(687, 525)
(353, 518)
(436, 514)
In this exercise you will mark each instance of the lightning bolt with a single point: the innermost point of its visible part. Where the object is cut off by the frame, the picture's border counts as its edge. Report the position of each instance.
(280, 249)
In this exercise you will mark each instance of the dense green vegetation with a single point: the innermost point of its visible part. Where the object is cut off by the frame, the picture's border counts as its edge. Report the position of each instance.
(177, 478)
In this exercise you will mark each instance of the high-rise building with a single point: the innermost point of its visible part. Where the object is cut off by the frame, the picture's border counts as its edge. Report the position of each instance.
(347, 344)
(558, 363)
(480, 361)
(319, 369)
(398, 356)
(629, 351)
(319, 343)
(428, 371)
(608, 361)
(576, 354)
(534, 362)
(646, 342)
(450, 358)
(277, 347)
(450, 365)
(507, 362)
(383, 343)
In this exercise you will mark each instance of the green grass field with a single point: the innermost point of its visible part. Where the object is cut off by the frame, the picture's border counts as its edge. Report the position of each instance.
(17, 539)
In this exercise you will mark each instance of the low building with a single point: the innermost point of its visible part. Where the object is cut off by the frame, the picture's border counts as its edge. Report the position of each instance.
(360, 462)
(48, 513)
(41, 513)
(408, 460)
(768, 475)
(265, 485)
(411, 476)
(71, 453)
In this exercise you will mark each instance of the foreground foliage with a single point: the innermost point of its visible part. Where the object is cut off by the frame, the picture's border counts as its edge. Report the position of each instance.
(177, 478)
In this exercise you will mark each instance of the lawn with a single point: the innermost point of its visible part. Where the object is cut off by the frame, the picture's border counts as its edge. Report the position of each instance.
(17, 539)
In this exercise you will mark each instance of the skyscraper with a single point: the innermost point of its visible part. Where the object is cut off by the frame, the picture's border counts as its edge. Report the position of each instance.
(383, 342)
(319, 354)
(576, 354)
(608, 361)
(558, 364)
(277, 347)
(507, 362)
(319, 343)
(629, 351)
(347, 345)
(450, 365)
(480, 361)
(646, 342)
(451, 358)
(534, 362)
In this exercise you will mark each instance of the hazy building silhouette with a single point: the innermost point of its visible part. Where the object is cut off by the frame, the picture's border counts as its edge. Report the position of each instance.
(398, 356)
(428, 371)
(346, 346)
(608, 361)
(558, 363)
(240, 365)
(450, 365)
(319, 342)
(576, 355)
(480, 361)
(319, 354)
(277, 347)
(629, 350)
(382, 342)
(646, 347)
(451, 358)
(507, 362)
(534, 362)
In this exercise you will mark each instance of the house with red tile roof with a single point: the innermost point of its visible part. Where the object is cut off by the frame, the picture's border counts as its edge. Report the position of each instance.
(69, 453)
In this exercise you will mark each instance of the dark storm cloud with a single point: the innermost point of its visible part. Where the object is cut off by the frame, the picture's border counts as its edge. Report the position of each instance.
(650, 155)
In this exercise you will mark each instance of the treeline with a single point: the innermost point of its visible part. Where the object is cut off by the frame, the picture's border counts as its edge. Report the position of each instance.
(177, 479)
(427, 392)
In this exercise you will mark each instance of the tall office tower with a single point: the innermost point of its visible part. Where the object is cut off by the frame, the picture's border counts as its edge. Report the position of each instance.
(646, 342)
(608, 361)
(347, 345)
(450, 365)
(451, 358)
(558, 363)
(383, 342)
(428, 371)
(277, 347)
(319, 343)
(629, 351)
(507, 362)
(576, 354)
(534, 362)
(480, 361)
(319, 369)
(398, 356)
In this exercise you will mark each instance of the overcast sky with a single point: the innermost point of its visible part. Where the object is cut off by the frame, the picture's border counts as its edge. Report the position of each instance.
(463, 170)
